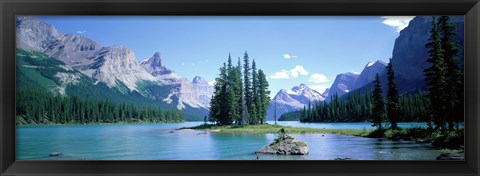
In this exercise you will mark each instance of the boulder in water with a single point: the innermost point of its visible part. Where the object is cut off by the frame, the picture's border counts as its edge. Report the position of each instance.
(55, 154)
(285, 145)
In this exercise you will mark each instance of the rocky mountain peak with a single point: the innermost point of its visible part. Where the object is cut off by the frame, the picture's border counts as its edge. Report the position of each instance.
(199, 80)
(154, 65)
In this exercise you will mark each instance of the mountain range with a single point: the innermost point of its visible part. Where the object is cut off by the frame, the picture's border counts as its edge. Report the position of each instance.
(115, 66)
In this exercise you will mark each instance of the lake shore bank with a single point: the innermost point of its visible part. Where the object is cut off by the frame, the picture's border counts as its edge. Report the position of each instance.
(269, 128)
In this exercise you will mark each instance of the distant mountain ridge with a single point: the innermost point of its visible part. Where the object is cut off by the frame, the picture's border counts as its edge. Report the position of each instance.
(293, 99)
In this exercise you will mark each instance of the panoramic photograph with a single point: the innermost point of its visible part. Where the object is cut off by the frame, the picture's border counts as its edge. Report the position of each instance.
(240, 88)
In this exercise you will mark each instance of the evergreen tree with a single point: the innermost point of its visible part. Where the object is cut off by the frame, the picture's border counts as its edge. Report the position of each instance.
(247, 87)
(436, 77)
(263, 96)
(454, 73)
(378, 104)
(240, 100)
(392, 97)
(255, 99)
(232, 89)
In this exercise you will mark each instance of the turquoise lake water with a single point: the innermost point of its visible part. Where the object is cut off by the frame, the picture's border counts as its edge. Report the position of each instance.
(164, 142)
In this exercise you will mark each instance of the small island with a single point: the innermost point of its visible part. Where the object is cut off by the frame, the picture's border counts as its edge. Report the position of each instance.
(285, 145)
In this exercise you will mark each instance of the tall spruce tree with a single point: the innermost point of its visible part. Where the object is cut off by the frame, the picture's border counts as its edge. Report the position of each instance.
(454, 73)
(392, 97)
(436, 78)
(378, 104)
(263, 96)
(232, 88)
(247, 91)
(255, 99)
(240, 100)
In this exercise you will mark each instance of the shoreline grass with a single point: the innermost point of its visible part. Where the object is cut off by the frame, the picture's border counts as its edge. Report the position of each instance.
(269, 128)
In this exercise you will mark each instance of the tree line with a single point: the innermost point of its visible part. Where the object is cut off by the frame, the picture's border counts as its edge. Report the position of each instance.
(241, 95)
(441, 104)
(40, 107)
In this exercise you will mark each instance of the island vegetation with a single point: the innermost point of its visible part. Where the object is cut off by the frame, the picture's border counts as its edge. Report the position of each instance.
(240, 101)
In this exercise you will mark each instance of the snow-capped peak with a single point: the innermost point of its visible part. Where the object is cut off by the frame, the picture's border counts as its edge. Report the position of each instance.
(369, 64)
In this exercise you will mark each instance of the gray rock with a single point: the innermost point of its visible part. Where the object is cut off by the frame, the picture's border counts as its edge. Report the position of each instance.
(344, 159)
(55, 154)
(285, 146)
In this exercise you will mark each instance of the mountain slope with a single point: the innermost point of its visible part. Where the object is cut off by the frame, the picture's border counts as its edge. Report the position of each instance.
(368, 73)
(110, 65)
(36, 70)
(344, 83)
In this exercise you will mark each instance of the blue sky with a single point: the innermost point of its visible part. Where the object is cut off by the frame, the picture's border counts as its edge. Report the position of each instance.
(290, 50)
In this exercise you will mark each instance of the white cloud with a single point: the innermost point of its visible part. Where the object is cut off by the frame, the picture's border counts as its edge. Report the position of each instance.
(318, 78)
(280, 75)
(286, 74)
(288, 56)
(212, 83)
(398, 22)
(298, 70)
(319, 88)
(82, 32)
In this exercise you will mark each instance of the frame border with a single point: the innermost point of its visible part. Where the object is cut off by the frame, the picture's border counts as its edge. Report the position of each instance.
(10, 8)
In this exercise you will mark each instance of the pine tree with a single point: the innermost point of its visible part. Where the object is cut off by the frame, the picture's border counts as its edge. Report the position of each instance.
(454, 73)
(232, 89)
(247, 87)
(392, 97)
(436, 77)
(255, 99)
(263, 96)
(240, 100)
(378, 104)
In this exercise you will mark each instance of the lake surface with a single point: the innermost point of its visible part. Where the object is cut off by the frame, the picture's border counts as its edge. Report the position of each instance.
(164, 142)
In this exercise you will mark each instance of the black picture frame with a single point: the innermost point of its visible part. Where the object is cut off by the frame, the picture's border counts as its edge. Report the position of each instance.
(10, 8)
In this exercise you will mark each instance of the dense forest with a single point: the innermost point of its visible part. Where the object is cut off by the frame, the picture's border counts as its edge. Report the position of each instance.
(240, 101)
(442, 103)
(40, 107)
(357, 107)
